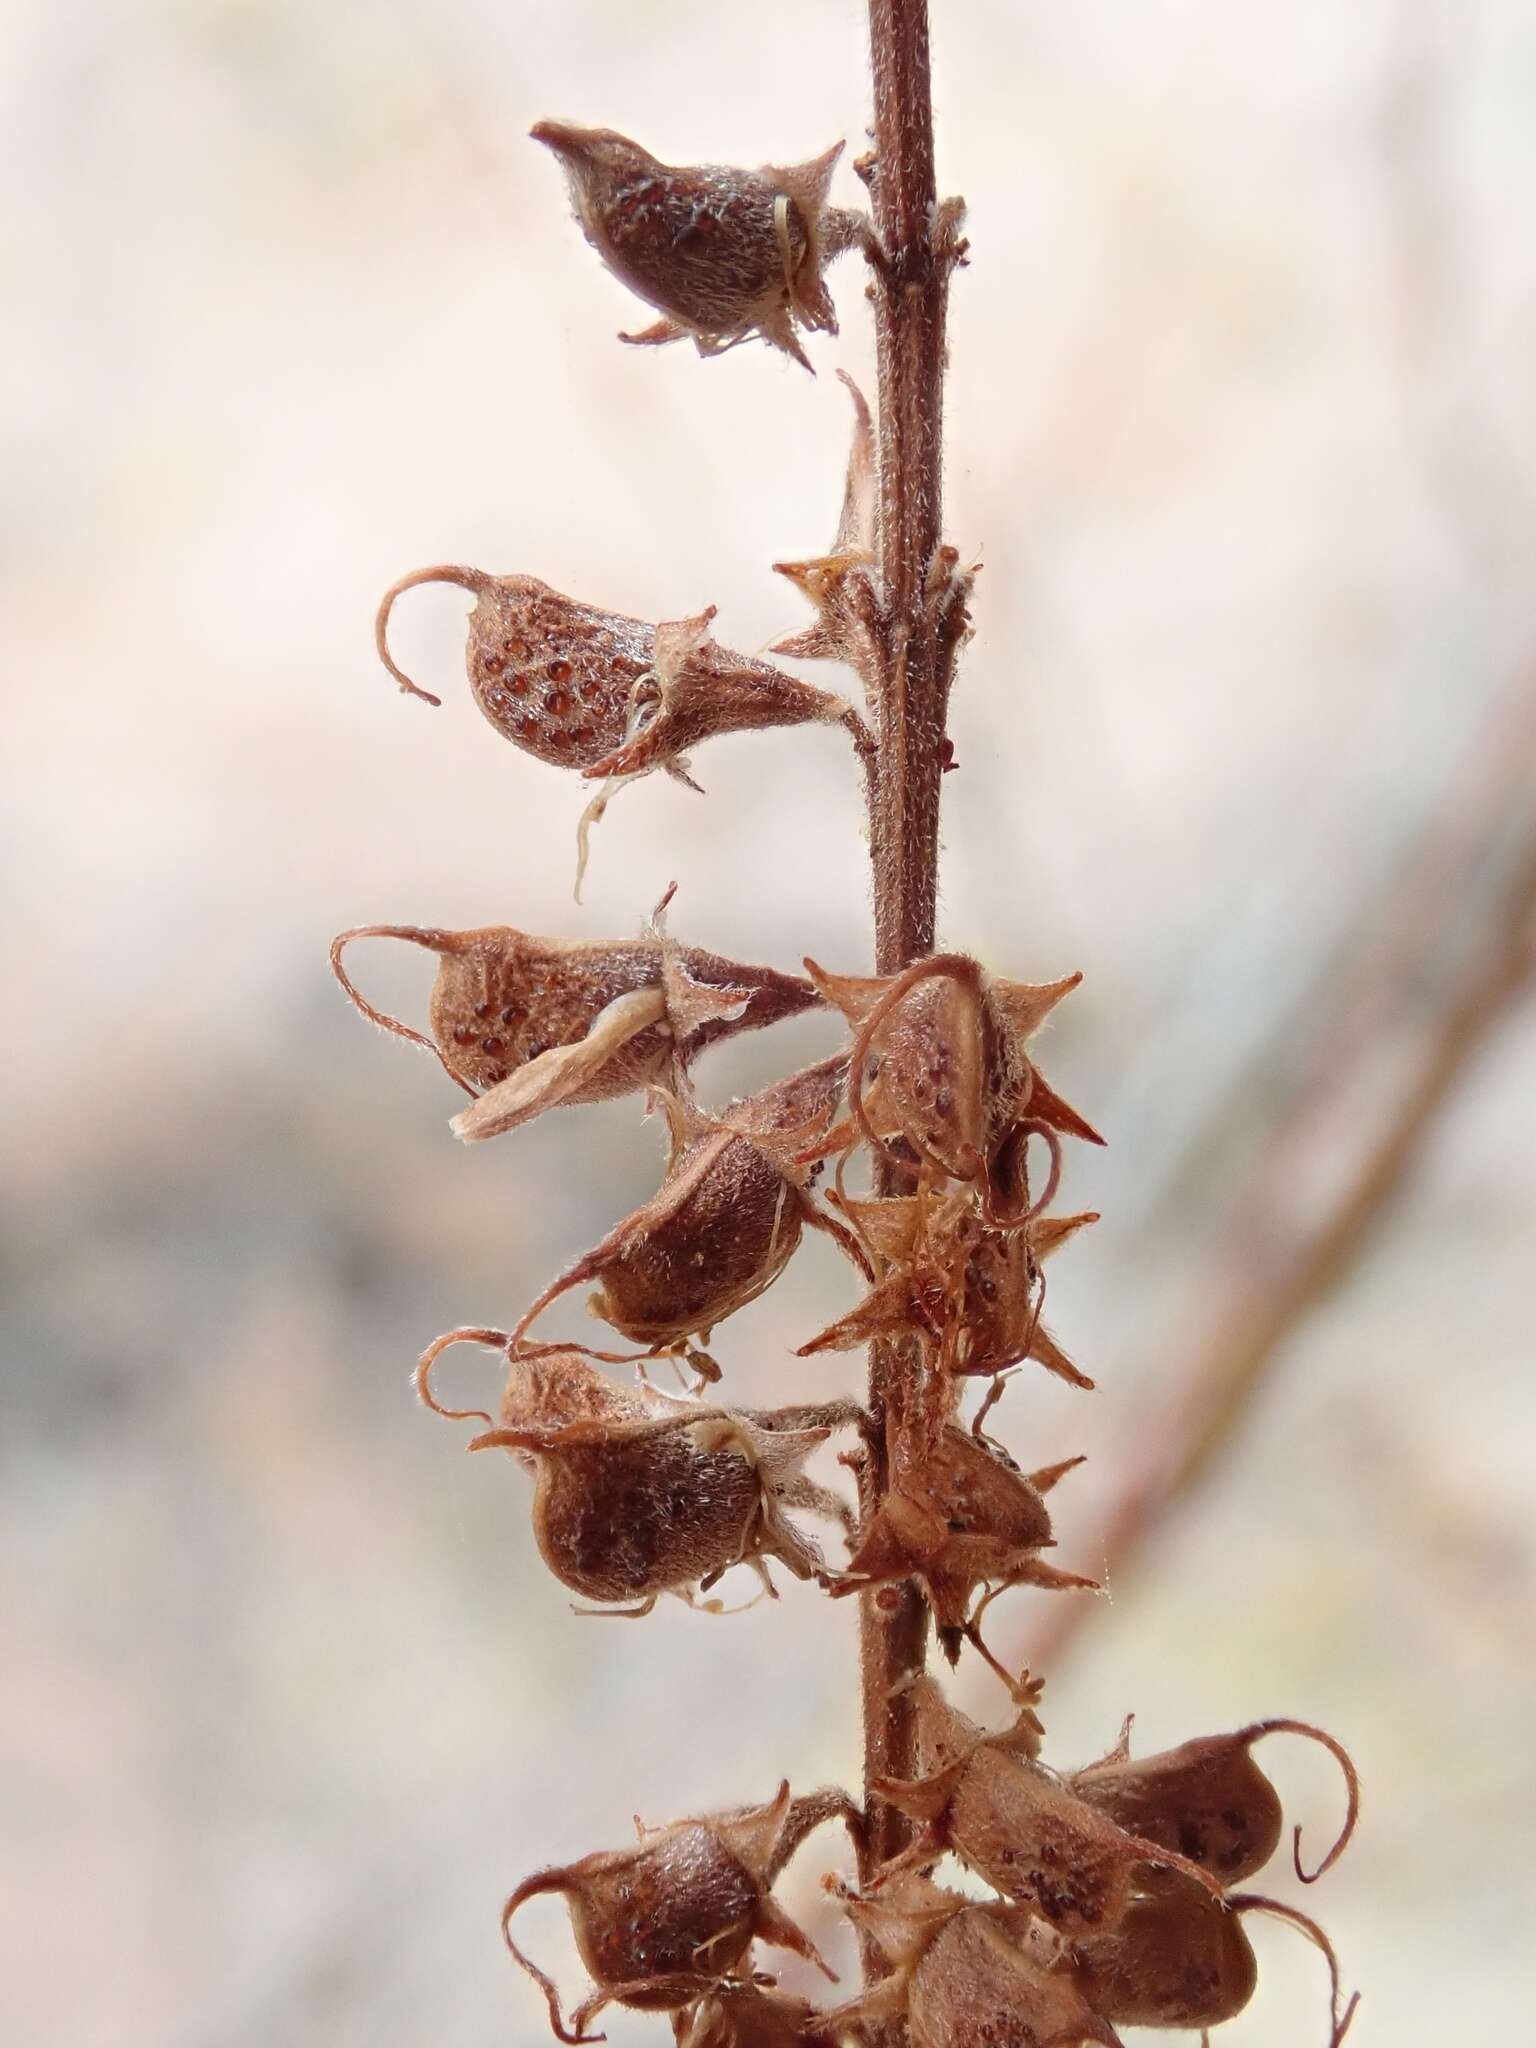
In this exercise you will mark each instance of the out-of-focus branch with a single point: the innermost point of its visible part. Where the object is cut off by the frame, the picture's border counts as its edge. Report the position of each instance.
(1385, 1056)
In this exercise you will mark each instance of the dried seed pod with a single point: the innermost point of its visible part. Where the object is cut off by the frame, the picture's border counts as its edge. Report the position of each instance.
(598, 691)
(977, 1988)
(527, 1024)
(971, 1288)
(1209, 1800)
(723, 1224)
(750, 2015)
(1181, 1958)
(1016, 1824)
(659, 1926)
(639, 1493)
(965, 1975)
(938, 1061)
(959, 1514)
(721, 253)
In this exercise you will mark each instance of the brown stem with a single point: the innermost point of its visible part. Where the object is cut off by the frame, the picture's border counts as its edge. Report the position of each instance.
(911, 254)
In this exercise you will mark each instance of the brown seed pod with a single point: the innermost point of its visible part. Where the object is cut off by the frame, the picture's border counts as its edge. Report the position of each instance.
(1181, 1958)
(598, 691)
(959, 1515)
(970, 1288)
(527, 1024)
(639, 1493)
(1209, 1800)
(938, 1061)
(965, 1975)
(721, 253)
(1016, 1824)
(661, 1925)
(723, 1224)
(750, 2014)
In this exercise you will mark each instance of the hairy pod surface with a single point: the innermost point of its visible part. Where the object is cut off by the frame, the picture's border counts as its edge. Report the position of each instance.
(1209, 1800)
(720, 252)
(660, 1925)
(563, 1021)
(598, 691)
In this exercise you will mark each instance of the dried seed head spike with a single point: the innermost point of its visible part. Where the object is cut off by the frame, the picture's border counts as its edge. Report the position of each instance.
(660, 1924)
(529, 1024)
(1252, 1902)
(722, 1226)
(1017, 1825)
(721, 253)
(1209, 1798)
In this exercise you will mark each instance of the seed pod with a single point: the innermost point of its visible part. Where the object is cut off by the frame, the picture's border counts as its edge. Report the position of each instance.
(976, 1988)
(956, 1516)
(598, 691)
(721, 253)
(1016, 1824)
(638, 1493)
(661, 1925)
(724, 1222)
(750, 2015)
(964, 1975)
(938, 1062)
(1209, 1800)
(972, 1289)
(527, 1024)
(1181, 1958)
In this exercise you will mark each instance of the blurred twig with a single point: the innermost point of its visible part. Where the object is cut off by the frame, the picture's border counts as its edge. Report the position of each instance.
(1384, 1057)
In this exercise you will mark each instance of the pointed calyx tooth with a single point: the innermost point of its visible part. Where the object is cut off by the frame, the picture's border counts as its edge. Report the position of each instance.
(527, 1024)
(598, 691)
(939, 1063)
(843, 584)
(671, 1920)
(721, 253)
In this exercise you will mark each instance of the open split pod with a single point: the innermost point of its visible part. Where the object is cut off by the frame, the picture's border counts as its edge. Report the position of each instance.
(638, 1493)
(526, 1024)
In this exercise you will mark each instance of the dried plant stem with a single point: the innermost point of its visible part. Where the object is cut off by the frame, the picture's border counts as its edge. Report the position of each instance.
(911, 257)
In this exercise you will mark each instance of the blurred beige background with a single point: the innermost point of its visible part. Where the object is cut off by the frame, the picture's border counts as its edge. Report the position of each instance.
(1242, 419)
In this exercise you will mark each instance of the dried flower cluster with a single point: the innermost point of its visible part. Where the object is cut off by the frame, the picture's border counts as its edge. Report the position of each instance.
(1112, 1886)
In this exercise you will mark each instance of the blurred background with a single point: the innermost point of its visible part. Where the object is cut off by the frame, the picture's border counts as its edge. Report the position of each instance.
(1242, 423)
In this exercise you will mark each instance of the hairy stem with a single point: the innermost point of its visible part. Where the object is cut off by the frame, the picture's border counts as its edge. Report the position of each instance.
(911, 256)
